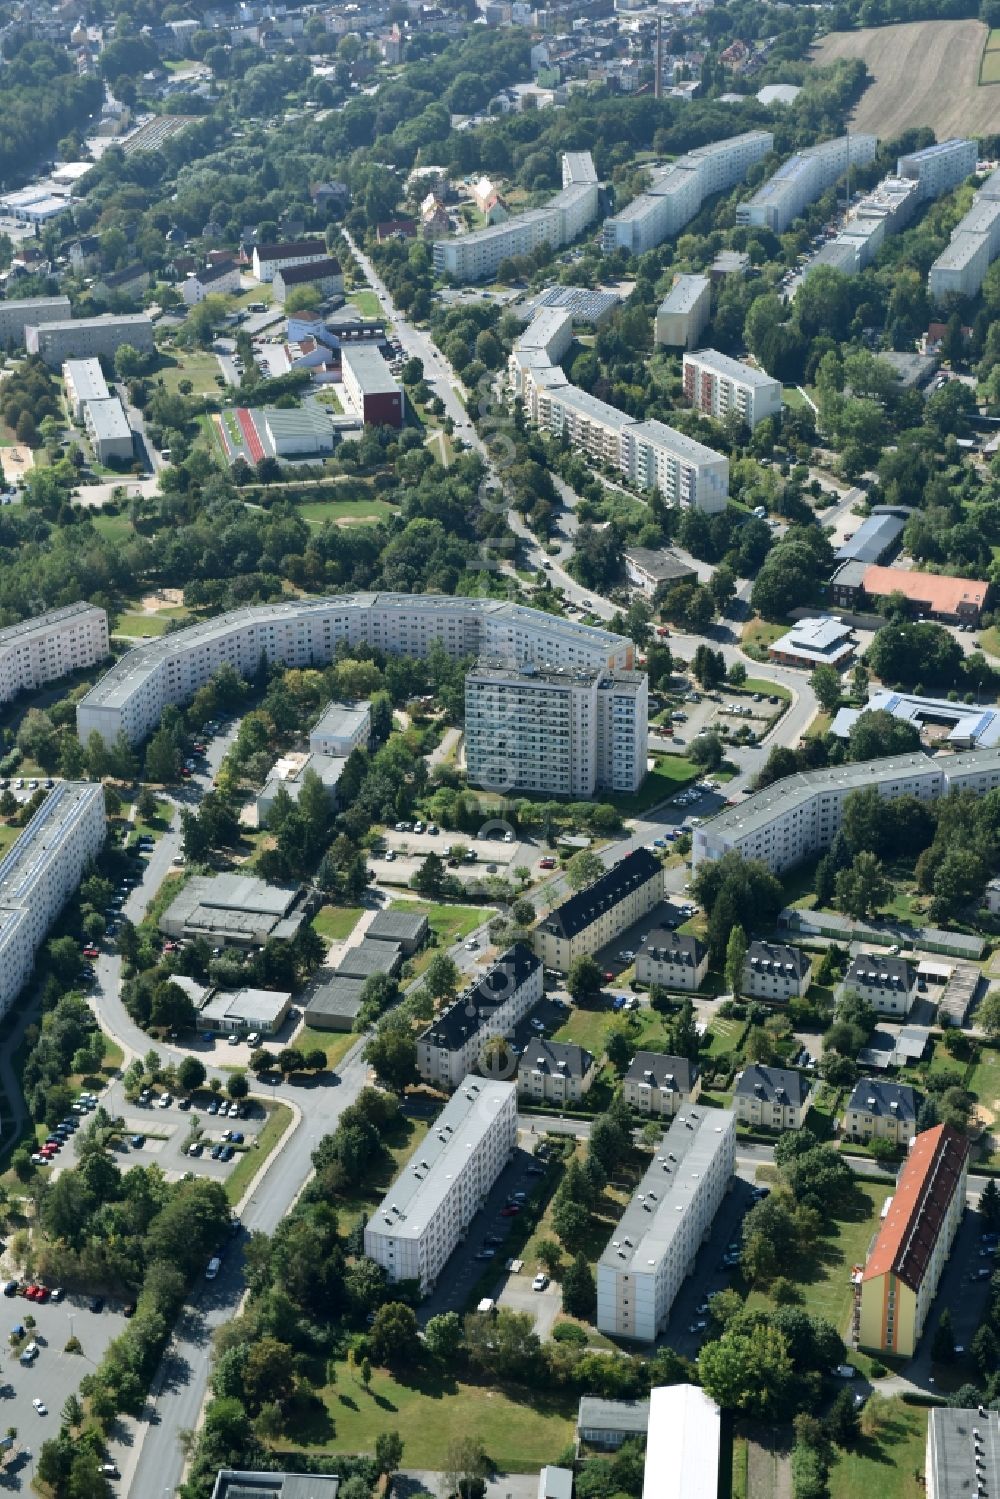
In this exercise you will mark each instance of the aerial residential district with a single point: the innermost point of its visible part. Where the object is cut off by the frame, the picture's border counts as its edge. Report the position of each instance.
(500, 749)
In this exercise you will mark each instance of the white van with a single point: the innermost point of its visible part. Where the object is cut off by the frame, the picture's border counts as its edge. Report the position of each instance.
(214, 1266)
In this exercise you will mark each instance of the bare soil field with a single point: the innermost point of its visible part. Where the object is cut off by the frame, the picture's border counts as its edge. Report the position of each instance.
(909, 65)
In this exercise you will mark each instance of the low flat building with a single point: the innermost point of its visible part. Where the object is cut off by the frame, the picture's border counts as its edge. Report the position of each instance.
(960, 600)
(683, 314)
(653, 571)
(372, 391)
(967, 725)
(84, 381)
(555, 1072)
(672, 960)
(555, 1483)
(428, 1209)
(823, 641)
(298, 432)
(333, 1003)
(776, 971)
(610, 1423)
(241, 1011)
(368, 958)
(877, 538)
(288, 776)
(342, 728)
(408, 929)
(684, 1444)
(881, 1110)
(596, 915)
(888, 984)
(962, 1456)
(771, 1097)
(235, 910)
(235, 1483)
(653, 1247)
(900, 1280)
(659, 1084)
(452, 1045)
(109, 432)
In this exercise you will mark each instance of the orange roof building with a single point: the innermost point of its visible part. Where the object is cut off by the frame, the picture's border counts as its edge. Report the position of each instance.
(959, 599)
(911, 1249)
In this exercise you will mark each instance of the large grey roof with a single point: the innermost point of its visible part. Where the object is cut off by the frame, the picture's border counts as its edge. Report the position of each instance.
(580, 910)
(38, 622)
(477, 1004)
(873, 539)
(597, 1414)
(955, 1440)
(660, 1070)
(556, 1057)
(876, 1095)
(775, 1084)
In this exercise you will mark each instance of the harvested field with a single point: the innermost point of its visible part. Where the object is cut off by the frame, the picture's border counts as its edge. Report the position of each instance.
(908, 64)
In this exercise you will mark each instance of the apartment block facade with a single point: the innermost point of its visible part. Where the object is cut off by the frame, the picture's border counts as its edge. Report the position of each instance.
(269, 259)
(941, 167)
(888, 984)
(672, 960)
(452, 1046)
(40, 871)
(911, 1249)
(426, 1212)
(776, 971)
(801, 179)
(555, 1072)
(654, 1246)
(305, 632)
(89, 337)
(773, 1098)
(18, 314)
(881, 1110)
(975, 243)
(722, 387)
(51, 646)
(683, 315)
(659, 1084)
(555, 731)
(597, 914)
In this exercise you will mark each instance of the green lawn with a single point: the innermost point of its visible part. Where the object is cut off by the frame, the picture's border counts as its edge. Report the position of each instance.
(335, 923)
(723, 1036)
(138, 625)
(793, 397)
(765, 688)
(586, 1027)
(758, 635)
(336, 1044)
(367, 303)
(113, 527)
(198, 366)
(670, 773)
(520, 1430)
(7, 836)
(401, 1142)
(844, 1243)
(319, 512)
(279, 1117)
(985, 1079)
(885, 1465)
(449, 924)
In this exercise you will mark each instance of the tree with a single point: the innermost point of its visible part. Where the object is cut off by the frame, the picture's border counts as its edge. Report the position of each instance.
(842, 1424)
(736, 955)
(583, 869)
(749, 1372)
(443, 1336)
(550, 1258)
(825, 683)
(429, 878)
(988, 1014)
(584, 978)
(466, 1466)
(268, 1374)
(708, 750)
(570, 1223)
(191, 1074)
(237, 1086)
(442, 978)
(862, 888)
(943, 1345)
(388, 1452)
(392, 1051)
(579, 1290)
(989, 1203)
(394, 1338)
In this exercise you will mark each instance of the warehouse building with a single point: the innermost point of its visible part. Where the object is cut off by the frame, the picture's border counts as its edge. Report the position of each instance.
(297, 432)
(409, 929)
(370, 957)
(240, 1012)
(596, 915)
(371, 388)
(333, 1002)
(684, 1444)
(654, 1246)
(427, 1210)
(877, 538)
(235, 910)
(51, 646)
(40, 872)
(900, 1280)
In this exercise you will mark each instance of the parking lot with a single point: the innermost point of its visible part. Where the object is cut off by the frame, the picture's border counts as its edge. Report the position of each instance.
(485, 1243)
(722, 712)
(683, 1331)
(54, 1374)
(403, 851)
(167, 1133)
(620, 954)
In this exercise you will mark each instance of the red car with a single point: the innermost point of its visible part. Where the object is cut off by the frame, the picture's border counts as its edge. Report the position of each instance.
(510, 1211)
(609, 978)
(90, 952)
(170, 947)
(546, 863)
(185, 773)
(42, 1293)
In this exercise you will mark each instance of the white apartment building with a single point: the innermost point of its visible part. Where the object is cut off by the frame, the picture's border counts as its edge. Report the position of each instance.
(269, 259)
(594, 916)
(940, 168)
(801, 179)
(799, 815)
(545, 341)
(771, 1097)
(89, 337)
(683, 470)
(677, 193)
(555, 1072)
(555, 731)
(108, 429)
(342, 728)
(84, 381)
(673, 960)
(477, 256)
(975, 243)
(50, 646)
(888, 984)
(16, 316)
(683, 314)
(888, 208)
(722, 387)
(657, 1083)
(39, 873)
(881, 1110)
(306, 632)
(653, 1248)
(776, 972)
(683, 1445)
(429, 1206)
(452, 1045)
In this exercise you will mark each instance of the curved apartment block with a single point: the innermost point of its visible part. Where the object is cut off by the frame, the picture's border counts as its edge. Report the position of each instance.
(305, 632)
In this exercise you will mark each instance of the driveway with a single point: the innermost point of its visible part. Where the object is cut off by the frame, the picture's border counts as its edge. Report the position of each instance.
(543, 1306)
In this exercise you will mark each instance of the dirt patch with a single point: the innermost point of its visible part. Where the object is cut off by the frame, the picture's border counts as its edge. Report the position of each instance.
(163, 598)
(16, 462)
(908, 64)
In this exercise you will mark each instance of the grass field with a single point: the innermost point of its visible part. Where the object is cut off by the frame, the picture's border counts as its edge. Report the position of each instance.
(319, 512)
(518, 1434)
(336, 1044)
(758, 635)
(907, 63)
(138, 625)
(448, 923)
(113, 527)
(669, 773)
(886, 1465)
(367, 303)
(7, 836)
(989, 68)
(198, 366)
(336, 922)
